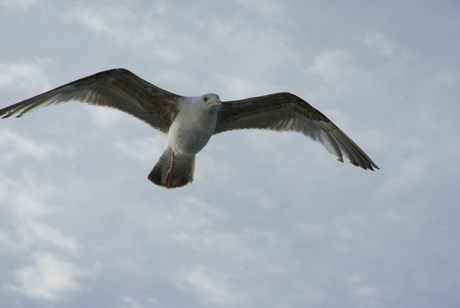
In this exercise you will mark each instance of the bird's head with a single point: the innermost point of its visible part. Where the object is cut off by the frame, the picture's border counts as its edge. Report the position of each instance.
(206, 104)
(211, 99)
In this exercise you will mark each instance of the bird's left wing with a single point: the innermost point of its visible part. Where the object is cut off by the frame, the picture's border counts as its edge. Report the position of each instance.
(116, 88)
(287, 112)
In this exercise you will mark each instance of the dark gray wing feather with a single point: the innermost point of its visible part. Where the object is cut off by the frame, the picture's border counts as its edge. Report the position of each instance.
(116, 88)
(287, 112)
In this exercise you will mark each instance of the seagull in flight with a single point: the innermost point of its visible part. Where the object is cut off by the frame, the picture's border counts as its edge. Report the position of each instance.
(189, 122)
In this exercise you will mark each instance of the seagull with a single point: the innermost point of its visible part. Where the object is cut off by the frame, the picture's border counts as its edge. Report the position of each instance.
(189, 122)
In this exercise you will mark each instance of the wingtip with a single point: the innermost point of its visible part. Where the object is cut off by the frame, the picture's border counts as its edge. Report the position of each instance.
(8, 114)
(365, 165)
(372, 167)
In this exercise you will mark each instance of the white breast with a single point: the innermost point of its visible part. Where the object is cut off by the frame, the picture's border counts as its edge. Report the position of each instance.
(191, 130)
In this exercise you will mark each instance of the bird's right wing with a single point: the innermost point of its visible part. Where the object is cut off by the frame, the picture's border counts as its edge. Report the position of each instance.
(116, 88)
(287, 112)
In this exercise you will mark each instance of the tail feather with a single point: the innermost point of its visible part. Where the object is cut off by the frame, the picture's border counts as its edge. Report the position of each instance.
(173, 174)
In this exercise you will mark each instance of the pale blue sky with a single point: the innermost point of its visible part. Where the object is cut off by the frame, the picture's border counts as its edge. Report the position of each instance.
(272, 219)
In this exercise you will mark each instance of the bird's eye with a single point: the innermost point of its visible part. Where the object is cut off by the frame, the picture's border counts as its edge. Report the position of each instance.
(206, 99)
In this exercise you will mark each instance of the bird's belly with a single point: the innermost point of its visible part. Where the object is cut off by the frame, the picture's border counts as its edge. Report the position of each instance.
(188, 139)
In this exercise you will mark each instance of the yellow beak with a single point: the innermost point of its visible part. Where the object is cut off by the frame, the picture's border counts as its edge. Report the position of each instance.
(216, 102)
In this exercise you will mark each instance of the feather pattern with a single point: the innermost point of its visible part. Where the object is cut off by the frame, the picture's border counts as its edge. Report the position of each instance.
(191, 121)
(287, 112)
(116, 88)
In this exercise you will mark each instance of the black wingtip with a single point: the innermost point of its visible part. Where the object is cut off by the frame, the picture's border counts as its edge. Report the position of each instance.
(365, 165)
(372, 167)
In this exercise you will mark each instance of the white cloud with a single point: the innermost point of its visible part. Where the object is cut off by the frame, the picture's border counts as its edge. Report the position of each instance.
(48, 277)
(366, 291)
(14, 146)
(5, 243)
(24, 76)
(22, 4)
(446, 77)
(98, 19)
(27, 204)
(255, 46)
(32, 231)
(267, 8)
(312, 230)
(129, 302)
(123, 26)
(24, 198)
(407, 176)
(105, 117)
(332, 65)
(192, 214)
(143, 149)
(210, 286)
(377, 43)
(237, 86)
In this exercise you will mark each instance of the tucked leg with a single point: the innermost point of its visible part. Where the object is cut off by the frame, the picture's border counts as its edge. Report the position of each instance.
(169, 174)
(172, 170)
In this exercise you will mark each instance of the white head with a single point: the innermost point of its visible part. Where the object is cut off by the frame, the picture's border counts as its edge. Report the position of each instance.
(207, 103)
(211, 99)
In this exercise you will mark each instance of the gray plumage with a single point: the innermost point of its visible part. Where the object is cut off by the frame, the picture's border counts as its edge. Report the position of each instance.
(191, 121)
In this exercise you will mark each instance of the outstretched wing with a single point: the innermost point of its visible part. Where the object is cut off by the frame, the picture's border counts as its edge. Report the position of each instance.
(287, 112)
(116, 88)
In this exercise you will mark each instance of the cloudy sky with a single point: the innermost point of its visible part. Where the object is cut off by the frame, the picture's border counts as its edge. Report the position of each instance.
(272, 219)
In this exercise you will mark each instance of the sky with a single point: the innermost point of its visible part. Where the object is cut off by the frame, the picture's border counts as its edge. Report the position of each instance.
(271, 219)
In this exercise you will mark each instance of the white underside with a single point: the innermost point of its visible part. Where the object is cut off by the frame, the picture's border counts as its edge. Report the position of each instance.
(191, 131)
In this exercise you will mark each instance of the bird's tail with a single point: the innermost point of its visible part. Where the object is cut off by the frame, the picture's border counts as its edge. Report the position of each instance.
(173, 171)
